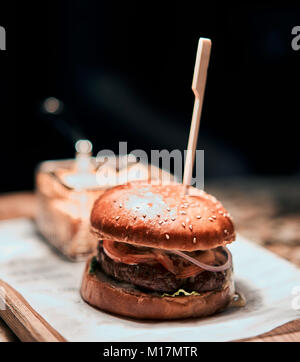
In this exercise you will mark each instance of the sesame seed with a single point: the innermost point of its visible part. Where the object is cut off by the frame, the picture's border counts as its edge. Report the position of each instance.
(168, 209)
(220, 212)
(194, 240)
(134, 218)
(167, 236)
(198, 217)
(173, 218)
(160, 222)
(211, 219)
(214, 217)
(225, 231)
(166, 219)
(183, 224)
(117, 217)
(191, 227)
(158, 215)
(144, 215)
(187, 220)
(126, 238)
(120, 206)
(182, 212)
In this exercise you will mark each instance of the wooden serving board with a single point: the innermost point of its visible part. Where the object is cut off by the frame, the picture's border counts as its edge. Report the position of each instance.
(23, 320)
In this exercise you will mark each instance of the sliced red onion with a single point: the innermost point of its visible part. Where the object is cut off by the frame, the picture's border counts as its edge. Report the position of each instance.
(212, 268)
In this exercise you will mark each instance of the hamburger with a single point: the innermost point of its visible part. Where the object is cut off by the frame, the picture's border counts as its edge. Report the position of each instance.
(161, 254)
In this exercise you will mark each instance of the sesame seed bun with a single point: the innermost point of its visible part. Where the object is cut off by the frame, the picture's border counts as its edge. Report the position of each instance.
(107, 294)
(161, 217)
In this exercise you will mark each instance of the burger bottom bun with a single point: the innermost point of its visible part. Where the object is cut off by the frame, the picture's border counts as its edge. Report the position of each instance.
(104, 293)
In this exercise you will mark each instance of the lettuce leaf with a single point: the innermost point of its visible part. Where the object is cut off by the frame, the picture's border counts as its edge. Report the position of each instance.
(180, 292)
(93, 265)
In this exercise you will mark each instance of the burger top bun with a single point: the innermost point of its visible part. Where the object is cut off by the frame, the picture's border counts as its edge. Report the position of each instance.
(159, 216)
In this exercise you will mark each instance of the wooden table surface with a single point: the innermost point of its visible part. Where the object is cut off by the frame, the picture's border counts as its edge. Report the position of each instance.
(254, 211)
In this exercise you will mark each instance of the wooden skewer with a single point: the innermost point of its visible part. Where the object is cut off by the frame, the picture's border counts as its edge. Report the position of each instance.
(23, 320)
(198, 87)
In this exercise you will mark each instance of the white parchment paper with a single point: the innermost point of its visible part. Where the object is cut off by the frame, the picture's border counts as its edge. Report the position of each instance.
(50, 284)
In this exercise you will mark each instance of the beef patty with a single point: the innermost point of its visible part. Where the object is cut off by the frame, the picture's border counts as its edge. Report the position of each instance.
(156, 278)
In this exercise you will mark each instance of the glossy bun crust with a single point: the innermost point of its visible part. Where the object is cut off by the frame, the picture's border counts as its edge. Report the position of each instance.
(160, 217)
(106, 294)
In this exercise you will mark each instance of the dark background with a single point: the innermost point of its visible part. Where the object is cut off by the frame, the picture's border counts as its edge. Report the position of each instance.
(124, 70)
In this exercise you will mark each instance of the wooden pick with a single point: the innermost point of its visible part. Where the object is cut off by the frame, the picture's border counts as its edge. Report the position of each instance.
(198, 87)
